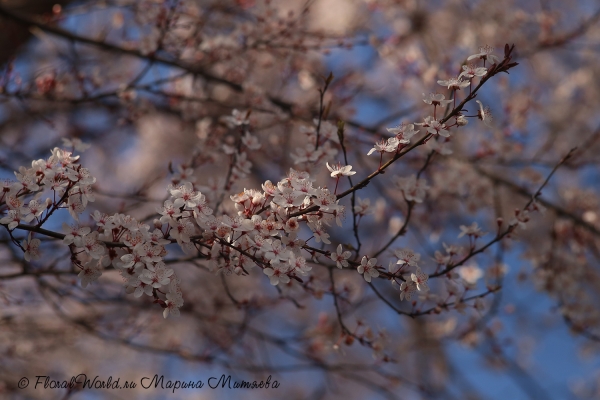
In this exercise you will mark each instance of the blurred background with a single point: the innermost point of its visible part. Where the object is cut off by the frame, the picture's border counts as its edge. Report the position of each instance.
(150, 84)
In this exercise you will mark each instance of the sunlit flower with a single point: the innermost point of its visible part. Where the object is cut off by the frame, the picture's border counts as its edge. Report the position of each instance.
(340, 257)
(367, 268)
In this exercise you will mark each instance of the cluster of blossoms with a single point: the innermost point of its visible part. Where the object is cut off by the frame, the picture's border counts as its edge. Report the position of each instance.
(414, 189)
(432, 124)
(138, 258)
(61, 174)
(270, 242)
(402, 135)
(120, 240)
(262, 232)
(411, 282)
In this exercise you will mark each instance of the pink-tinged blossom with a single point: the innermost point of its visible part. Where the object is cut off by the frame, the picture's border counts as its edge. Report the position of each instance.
(471, 71)
(277, 273)
(420, 279)
(270, 227)
(276, 252)
(32, 248)
(87, 194)
(91, 271)
(340, 257)
(81, 175)
(319, 232)
(175, 290)
(132, 261)
(12, 219)
(156, 275)
(389, 145)
(269, 188)
(222, 231)
(381, 147)
(392, 144)
(261, 244)
(45, 168)
(75, 234)
(256, 222)
(291, 225)
(367, 268)
(339, 170)
(293, 244)
(485, 53)
(140, 287)
(27, 180)
(453, 83)
(150, 254)
(14, 202)
(436, 99)
(173, 303)
(185, 195)
(298, 264)
(288, 197)
(210, 223)
(303, 187)
(437, 128)
(100, 218)
(461, 120)
(168, 212)
(63, 157)
(58, 184)
(326, 201)
(181, 230)
(133, 239)
(92, 246)
(407, 257)
(403, 132)
(294, 174)
(75, 207)
(407, 289)
(237, 223)
(202, 209)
